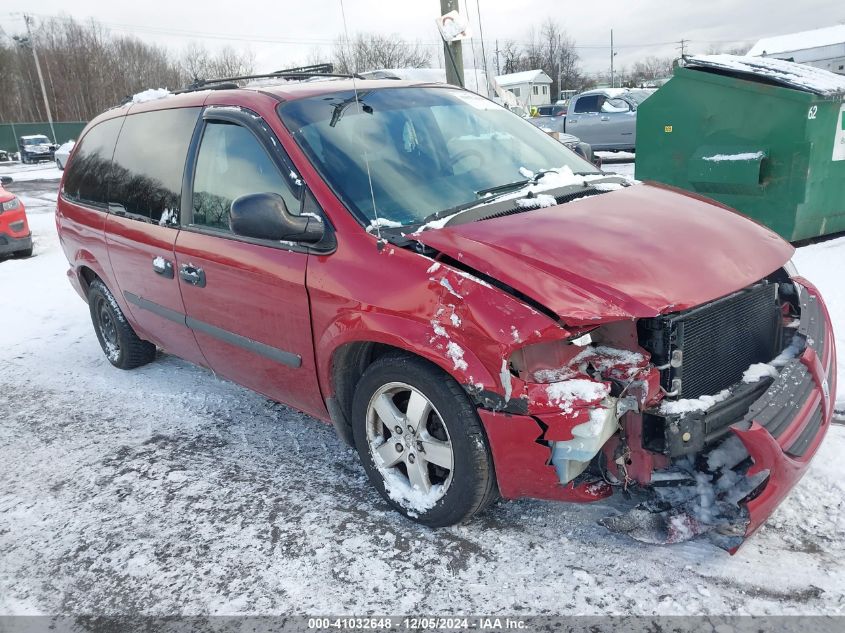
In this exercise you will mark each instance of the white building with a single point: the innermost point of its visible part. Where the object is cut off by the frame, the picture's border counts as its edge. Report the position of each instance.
(531, 87)
(822, 48)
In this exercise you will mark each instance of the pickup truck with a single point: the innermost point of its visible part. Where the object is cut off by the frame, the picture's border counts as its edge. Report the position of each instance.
(605, 118)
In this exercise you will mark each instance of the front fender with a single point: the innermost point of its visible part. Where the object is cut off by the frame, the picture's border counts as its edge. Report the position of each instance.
(412, 335)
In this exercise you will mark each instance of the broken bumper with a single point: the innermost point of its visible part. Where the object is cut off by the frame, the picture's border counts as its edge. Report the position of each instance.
(785, 427)
(781, 430)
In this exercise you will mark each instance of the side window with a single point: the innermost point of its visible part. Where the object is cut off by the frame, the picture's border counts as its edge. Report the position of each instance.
(86, 181)
(589, 103)
(536, 89)
(149, 163)
(232, 163)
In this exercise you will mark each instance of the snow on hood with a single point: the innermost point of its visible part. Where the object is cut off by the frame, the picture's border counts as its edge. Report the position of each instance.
(632, 253)
(788, 74)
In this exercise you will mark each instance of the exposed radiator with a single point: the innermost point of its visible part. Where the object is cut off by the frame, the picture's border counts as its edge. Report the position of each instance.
(709, 347)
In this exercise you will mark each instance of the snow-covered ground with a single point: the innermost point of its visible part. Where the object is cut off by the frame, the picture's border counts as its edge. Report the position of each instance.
(166, 490)
(38, 171)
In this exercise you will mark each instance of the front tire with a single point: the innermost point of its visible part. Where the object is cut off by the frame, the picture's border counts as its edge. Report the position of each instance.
(59, 165)
(421, 441)
(120, 344)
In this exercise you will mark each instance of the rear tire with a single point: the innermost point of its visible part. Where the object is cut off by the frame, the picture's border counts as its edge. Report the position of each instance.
(120, 344)
(59, 165)
(27, 252)
(419, 421)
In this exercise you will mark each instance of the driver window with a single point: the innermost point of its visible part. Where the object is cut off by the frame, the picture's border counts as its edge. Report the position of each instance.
(590, 103)
(232, 163)
(615, 105)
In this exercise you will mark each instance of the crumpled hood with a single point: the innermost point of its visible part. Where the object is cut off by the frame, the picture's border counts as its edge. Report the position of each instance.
(632, 253)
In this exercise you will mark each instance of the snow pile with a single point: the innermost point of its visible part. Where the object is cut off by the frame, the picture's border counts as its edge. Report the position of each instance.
(536, 202)
(566, 393)
(610, 362)
(719, 158)
(153, 94)
(689, 405)
(758, 371)
(788, 74)
(382, 223)
(398, 488)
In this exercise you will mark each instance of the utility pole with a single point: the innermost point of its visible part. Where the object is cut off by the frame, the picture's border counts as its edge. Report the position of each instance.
(498, 68)
(453, 51)
(683, 46)
(28, 20)
(612, 81)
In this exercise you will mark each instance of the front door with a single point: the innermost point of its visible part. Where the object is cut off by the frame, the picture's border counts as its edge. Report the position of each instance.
(245, 299)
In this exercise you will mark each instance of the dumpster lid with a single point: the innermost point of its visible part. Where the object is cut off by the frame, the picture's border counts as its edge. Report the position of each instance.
(772, 71)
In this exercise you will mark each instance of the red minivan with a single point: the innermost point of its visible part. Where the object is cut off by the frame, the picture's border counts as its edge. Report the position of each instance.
(474, 307)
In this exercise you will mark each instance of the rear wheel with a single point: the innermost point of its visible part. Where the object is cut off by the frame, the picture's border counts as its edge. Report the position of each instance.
(27, 252)
(421, 442)
(59, 165)
(120, 344)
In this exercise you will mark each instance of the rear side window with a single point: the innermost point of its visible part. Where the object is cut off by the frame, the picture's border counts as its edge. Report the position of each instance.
(232, 163)
(148, 165)
(86, 180)
(588, 104)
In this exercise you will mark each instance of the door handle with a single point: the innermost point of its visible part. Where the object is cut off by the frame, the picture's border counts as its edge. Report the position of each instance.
(163, 267)
(193, 275)
(605, 118)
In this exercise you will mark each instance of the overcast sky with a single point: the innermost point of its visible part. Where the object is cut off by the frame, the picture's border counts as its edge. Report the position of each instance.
(281, 33)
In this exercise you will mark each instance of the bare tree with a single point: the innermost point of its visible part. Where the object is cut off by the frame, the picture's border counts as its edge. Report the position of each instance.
(549, 49)
(371, 51)
(198, 63)
(647, 70)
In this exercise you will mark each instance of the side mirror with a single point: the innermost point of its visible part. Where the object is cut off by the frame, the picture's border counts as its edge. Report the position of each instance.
(5, 180)
(265, 216)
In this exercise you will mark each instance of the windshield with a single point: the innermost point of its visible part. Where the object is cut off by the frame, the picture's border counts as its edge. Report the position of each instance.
(427, 149)
(36, 140)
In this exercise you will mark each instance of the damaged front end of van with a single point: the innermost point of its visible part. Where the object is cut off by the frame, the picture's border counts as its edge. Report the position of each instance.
(705, 401)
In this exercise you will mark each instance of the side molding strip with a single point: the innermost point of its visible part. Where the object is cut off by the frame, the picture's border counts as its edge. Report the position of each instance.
(268, 351)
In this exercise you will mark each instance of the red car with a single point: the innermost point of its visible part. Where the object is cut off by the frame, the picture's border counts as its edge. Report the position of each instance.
(15, 237)
(477, 309)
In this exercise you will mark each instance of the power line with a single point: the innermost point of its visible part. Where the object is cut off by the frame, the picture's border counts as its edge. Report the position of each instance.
(176, 32)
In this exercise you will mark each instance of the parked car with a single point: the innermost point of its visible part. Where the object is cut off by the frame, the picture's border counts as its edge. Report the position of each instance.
(4, 155)
(15, 237)
(63, 153)
(551, 110)
(480, 311)
(605, 118)
(35, 148)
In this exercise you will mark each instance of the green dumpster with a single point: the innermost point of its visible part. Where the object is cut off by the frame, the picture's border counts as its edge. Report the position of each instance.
(761, 135)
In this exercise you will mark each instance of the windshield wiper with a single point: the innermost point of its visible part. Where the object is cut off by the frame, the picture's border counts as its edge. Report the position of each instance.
(488, 195)
(508, 186)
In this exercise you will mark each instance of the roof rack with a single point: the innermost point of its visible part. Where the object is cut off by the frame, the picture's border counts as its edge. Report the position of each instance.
(302, 72)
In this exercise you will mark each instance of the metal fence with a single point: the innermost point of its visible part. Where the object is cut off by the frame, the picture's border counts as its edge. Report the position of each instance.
(65, 131)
